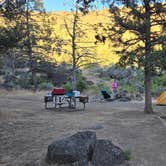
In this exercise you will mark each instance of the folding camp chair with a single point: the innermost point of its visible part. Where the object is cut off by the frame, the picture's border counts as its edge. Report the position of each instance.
(107, 96)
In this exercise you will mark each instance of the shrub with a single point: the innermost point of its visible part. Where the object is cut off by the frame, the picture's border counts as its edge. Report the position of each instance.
(134, 83)
(82, 85)
(127, 154)
(128, 87)
(94, 89)
(158, 84)
(24, 81)
(100, 85)
(42, 78)
(67, 87)
(159, 81)
(45, 85)
(10, 79)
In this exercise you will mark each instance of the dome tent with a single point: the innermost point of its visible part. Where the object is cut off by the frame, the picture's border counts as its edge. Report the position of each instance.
(161, 100)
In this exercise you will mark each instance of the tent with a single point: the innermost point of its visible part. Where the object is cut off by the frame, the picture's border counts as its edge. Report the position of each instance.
(161, 100)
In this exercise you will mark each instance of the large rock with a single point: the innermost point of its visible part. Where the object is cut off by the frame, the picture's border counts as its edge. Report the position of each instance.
(74, 149)
(107, 154)
(81, 163)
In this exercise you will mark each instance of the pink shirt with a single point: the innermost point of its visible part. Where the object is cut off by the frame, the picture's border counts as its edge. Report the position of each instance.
(114, 85)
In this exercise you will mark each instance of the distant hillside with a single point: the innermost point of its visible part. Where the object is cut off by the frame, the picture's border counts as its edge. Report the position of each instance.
(104, 52)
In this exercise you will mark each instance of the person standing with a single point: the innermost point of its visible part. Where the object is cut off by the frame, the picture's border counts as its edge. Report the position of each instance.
(114, 87)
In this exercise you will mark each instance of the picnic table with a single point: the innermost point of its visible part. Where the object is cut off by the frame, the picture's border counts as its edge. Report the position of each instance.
(60, 98)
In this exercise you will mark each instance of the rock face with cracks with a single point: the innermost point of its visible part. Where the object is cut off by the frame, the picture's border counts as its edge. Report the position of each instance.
(83, 149)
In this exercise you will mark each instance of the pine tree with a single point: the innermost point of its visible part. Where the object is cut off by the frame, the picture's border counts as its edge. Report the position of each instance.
(82, 51)
(23, 33)
(134, 30)
(30, 7)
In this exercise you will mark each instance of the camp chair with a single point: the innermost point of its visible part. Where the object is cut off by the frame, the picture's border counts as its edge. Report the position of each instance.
(105, 94)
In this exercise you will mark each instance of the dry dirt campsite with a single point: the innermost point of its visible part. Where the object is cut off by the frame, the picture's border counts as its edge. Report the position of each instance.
(26, 128)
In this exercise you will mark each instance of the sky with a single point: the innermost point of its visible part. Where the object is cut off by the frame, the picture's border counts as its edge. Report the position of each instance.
(61, 5)
(57, 5)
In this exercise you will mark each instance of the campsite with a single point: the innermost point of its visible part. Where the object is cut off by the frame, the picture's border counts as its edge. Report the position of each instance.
(82, 83)
(27, 128)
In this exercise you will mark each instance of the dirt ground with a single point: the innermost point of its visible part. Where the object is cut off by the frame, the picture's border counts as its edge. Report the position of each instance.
(26, 128)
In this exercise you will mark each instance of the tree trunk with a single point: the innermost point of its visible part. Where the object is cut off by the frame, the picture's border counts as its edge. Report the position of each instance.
(148, 97)
(74, 79)
(74, 50)
(29, 46)
(147, 69)
(10, 60)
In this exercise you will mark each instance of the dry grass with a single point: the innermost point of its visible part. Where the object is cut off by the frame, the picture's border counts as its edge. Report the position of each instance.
(26, 128)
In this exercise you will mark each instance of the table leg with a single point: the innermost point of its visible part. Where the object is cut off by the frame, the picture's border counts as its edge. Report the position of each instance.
(55, 101)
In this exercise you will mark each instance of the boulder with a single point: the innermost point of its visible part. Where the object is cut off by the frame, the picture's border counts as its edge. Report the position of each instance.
(74, 149)
(107, 154)
(81, 163)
